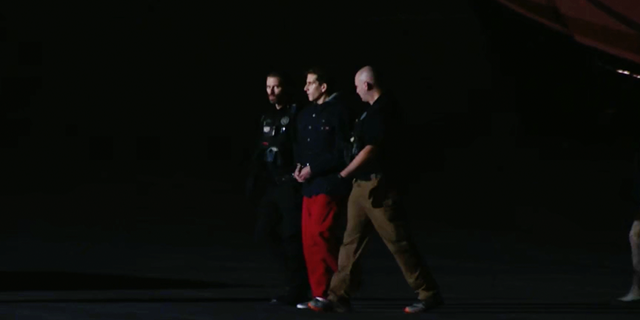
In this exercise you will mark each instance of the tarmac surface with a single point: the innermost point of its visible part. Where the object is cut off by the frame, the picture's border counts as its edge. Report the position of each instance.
(173, 253)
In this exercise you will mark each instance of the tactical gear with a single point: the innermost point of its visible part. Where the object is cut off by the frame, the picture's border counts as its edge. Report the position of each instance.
(273, 160)
(276, 142)
(356, 138)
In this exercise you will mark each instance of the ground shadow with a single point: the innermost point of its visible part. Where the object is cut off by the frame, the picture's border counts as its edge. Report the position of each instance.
(63, 281)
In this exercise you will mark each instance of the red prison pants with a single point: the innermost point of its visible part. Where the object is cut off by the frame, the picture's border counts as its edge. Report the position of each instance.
(319, 240)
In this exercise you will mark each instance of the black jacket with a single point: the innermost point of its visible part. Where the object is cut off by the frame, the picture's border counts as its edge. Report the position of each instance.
(322, 142)
(273, 162)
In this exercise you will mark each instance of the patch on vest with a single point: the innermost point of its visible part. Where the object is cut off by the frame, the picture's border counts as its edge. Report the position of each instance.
(284, 121)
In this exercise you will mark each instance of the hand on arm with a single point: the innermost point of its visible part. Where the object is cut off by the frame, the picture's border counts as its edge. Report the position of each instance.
(373, 132)
(366, 154)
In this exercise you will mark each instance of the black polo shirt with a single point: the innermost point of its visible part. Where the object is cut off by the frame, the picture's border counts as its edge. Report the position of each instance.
(379, 126)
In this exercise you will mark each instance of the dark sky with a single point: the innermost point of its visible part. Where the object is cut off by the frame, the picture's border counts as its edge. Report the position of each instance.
(185, 74)
(155, 59)
(159, 87)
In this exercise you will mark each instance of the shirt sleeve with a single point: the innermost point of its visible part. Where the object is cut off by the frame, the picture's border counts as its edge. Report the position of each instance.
(257, 139)
(374, 130)
(295, 139)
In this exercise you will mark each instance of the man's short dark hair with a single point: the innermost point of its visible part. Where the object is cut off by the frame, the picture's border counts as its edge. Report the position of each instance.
(323, 77)
(284, 80)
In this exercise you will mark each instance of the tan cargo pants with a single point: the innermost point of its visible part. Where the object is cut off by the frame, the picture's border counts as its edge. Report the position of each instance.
(372, 205)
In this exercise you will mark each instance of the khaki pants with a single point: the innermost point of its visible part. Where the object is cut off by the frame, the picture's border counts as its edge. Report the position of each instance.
(372, 206)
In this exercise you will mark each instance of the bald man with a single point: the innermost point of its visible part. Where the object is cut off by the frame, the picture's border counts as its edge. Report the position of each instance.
(374, 203)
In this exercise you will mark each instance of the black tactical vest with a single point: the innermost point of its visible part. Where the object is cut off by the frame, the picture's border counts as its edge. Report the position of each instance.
(276, 142)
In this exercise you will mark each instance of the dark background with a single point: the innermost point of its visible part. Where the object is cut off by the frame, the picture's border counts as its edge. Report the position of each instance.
(118, 114)
(108, 93)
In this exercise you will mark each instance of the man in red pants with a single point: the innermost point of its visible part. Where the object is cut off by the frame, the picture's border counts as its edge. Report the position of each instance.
(323, 132)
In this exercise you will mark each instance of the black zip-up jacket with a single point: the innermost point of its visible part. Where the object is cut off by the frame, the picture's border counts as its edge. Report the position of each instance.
(322, 142)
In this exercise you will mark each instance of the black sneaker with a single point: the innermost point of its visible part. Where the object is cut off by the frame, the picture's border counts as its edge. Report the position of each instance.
(325, 305)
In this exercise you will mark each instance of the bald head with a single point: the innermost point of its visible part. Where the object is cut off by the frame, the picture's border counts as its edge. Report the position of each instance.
(367, 85)
(366, 75)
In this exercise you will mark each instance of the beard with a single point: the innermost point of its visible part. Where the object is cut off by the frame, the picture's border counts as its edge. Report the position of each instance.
(279, 99)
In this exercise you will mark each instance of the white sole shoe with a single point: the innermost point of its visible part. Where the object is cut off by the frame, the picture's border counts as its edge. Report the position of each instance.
(630, 297)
